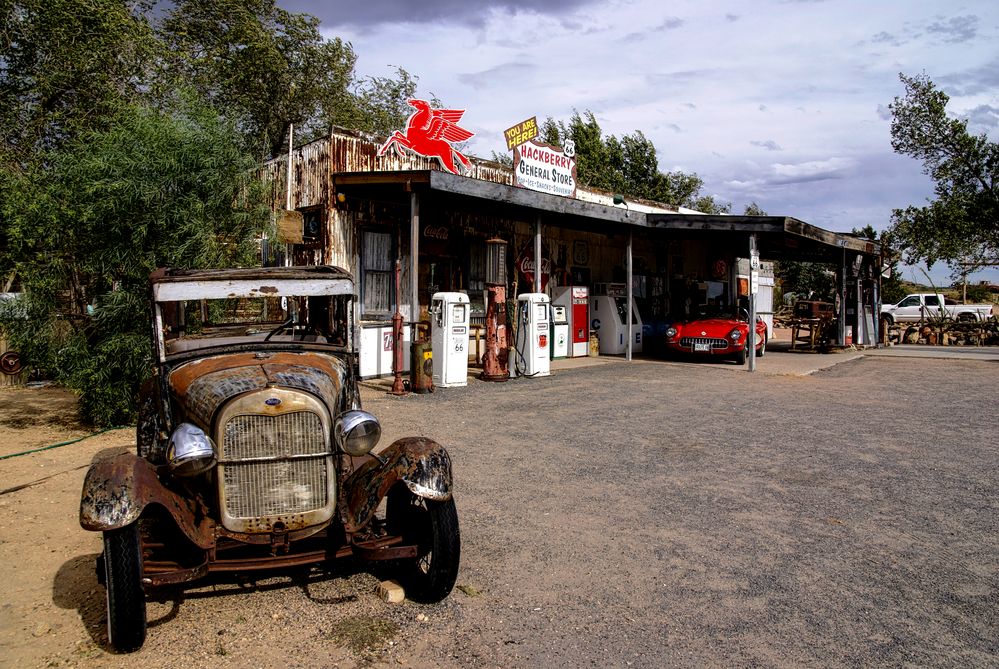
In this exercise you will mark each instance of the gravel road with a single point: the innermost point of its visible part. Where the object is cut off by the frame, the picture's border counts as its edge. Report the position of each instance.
(646, 514)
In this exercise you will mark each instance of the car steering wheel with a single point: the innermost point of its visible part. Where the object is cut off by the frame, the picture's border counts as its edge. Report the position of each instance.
(744, 314)
(304, 328)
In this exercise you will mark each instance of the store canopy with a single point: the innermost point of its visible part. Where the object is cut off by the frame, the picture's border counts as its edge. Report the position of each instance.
(778, 237)
(512, 201)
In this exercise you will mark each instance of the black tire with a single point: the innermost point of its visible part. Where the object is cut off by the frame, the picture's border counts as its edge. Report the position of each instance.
(966, 318)
(126, 601)
(433, 527)
(740, 357)
(887, 319)
(762, 350)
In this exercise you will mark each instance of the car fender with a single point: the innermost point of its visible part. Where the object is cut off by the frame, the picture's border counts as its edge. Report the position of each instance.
(116, 491)
(422, 464)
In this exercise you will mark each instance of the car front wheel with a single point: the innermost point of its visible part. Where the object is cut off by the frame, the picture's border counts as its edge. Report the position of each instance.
(126, 601)
(762, 350)
(433, 527)
(740, 357)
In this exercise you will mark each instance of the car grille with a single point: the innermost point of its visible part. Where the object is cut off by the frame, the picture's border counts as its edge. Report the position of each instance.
(688, 342)
(275, 465)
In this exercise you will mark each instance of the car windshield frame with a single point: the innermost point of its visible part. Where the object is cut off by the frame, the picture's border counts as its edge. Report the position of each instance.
(731, 312)
(177, 335)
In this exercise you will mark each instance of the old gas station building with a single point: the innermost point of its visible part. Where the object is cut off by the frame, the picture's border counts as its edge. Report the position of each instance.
(365, 212)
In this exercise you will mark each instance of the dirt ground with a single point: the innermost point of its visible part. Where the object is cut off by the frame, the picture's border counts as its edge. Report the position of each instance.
(646, 514)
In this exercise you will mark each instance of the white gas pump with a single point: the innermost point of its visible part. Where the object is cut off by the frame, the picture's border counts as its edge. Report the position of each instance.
(533, 337)
(608, 317)
(449, 339)
(560, 331)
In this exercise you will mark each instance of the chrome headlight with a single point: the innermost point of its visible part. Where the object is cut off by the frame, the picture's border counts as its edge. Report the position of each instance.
(190, 451)
(735, 335)
(670, 332)
(357, 432)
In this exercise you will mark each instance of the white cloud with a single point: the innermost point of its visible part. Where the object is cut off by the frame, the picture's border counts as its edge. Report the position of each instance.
(716, 87)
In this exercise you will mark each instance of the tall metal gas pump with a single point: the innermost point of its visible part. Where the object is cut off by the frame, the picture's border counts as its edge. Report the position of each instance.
(494, 361)
(449, 339)
(533, 336)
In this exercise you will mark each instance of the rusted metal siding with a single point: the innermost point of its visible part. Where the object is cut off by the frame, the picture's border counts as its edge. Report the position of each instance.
(314, 164)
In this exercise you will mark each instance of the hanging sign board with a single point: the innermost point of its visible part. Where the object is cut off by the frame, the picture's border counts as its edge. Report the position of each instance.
(290, 226)
(522, 132)
(544, 168)
(754, 282)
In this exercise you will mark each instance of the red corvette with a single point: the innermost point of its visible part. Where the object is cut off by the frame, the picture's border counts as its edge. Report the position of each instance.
(717, 331)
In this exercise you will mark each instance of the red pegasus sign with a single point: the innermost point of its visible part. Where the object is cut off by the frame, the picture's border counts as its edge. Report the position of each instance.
(429, 133)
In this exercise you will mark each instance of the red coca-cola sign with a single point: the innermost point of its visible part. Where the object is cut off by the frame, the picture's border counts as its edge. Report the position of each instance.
(526, 266)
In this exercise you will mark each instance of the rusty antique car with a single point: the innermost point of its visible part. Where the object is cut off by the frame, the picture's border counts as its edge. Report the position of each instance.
(253, 451)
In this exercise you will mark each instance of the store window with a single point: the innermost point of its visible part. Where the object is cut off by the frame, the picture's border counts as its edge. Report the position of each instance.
(376, 268)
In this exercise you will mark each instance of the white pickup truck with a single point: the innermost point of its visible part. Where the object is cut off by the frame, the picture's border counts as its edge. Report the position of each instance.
(928, 306)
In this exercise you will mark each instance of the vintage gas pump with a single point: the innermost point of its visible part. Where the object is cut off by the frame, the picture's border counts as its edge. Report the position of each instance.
(533, 336)
(560, 331)
(449, 339)
(494, 360)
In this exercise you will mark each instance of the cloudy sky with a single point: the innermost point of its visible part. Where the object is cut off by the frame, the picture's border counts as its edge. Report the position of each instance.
(784, 103)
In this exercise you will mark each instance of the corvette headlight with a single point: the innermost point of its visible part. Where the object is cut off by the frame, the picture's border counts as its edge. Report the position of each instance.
(735, 335)
(357, 432)
(670, 332)
(190, 451)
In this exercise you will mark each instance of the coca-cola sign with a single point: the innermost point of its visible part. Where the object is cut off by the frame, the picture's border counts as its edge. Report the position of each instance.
(526, 266)
(435, 232)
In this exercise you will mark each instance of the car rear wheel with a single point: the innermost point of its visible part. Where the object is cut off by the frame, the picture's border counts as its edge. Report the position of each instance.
(433, 527)
(126, 601)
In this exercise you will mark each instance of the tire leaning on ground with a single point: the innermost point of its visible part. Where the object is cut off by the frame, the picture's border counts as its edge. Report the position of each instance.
(126, 601)
(433, 527)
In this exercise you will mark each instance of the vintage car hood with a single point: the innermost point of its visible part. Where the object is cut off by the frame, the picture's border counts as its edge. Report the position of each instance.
(202, 386)
(713, 326)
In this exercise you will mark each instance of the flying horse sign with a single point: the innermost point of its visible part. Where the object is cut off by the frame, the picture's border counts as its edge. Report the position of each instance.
(429, 133)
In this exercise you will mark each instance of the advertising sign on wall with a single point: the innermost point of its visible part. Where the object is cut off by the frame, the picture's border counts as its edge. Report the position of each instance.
(527, 267)
(544, 168)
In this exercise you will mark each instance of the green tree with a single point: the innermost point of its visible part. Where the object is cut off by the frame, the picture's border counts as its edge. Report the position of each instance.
(892, 289)
(89, 221)
(627, 165)
(262, 67)
(961, 225)
(67, 66)
(806, 280)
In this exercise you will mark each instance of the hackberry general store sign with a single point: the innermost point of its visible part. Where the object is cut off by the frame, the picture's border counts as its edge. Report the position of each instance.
(544, 168)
